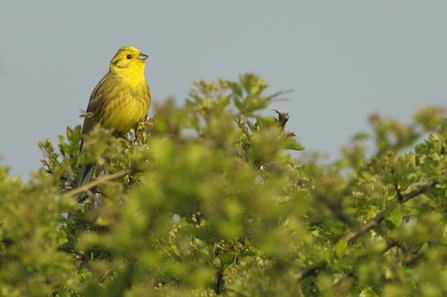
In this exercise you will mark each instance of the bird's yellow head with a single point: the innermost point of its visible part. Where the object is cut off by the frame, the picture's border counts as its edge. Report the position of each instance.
(128, 59)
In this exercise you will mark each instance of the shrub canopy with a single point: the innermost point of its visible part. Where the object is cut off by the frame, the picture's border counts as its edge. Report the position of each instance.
(207, 199)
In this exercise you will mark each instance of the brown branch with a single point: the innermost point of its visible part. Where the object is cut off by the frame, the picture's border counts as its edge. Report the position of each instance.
(379, 218)
(365, 228)
(283, 117)
(350, 237)
(419, 190)
(279, 93)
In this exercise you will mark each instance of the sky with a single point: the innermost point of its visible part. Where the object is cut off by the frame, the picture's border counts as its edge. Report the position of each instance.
(343, 59)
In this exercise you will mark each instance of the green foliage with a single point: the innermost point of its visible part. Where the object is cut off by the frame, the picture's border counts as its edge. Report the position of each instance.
(207, 200)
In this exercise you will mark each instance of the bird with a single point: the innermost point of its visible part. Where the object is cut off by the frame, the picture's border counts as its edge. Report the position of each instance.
(120, 100)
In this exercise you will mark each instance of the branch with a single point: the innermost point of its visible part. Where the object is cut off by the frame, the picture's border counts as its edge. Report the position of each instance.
(98, 182)
(350, 237)
(379, 218)
(365, 228)
(283, 117)
(419, 190)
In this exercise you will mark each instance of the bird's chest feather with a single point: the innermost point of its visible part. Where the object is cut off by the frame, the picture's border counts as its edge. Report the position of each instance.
(128, 106)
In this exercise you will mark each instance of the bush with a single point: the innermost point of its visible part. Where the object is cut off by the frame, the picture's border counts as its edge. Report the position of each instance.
(206, 200)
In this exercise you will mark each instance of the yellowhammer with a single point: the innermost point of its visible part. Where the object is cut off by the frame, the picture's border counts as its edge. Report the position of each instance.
(120, 100)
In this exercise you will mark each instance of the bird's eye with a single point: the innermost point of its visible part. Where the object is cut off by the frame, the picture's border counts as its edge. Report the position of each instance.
(129, 57)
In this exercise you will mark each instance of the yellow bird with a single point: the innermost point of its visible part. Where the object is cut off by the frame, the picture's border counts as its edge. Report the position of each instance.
(120, 100)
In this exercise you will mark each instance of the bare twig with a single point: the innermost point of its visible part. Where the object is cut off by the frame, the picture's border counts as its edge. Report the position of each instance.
(280, 93)
(283, 117)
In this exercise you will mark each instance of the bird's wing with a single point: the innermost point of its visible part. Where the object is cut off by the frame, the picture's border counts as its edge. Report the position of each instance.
(95, 104)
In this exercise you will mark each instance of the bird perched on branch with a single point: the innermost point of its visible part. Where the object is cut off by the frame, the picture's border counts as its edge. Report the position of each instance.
(120, 100)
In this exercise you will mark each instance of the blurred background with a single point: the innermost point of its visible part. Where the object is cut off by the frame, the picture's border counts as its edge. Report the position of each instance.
(343, 59)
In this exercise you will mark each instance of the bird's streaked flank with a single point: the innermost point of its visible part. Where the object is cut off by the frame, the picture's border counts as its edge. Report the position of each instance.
(120, 100)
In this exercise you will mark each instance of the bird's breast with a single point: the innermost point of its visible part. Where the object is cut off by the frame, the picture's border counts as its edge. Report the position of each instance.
(127, 106)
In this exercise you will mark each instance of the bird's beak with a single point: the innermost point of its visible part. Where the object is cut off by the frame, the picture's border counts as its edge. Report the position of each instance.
(142, 57)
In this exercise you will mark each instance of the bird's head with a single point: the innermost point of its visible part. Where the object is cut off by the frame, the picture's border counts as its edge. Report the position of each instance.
(128, 59)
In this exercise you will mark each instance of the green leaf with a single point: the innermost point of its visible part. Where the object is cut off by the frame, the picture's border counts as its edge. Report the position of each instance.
(341, 247)
(291, 144)
(393, 214)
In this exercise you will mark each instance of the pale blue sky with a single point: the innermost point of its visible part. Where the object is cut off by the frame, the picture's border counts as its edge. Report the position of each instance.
(344, 60)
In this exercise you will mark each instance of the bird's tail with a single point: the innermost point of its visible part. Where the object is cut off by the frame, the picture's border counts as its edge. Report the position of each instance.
(86, 174)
